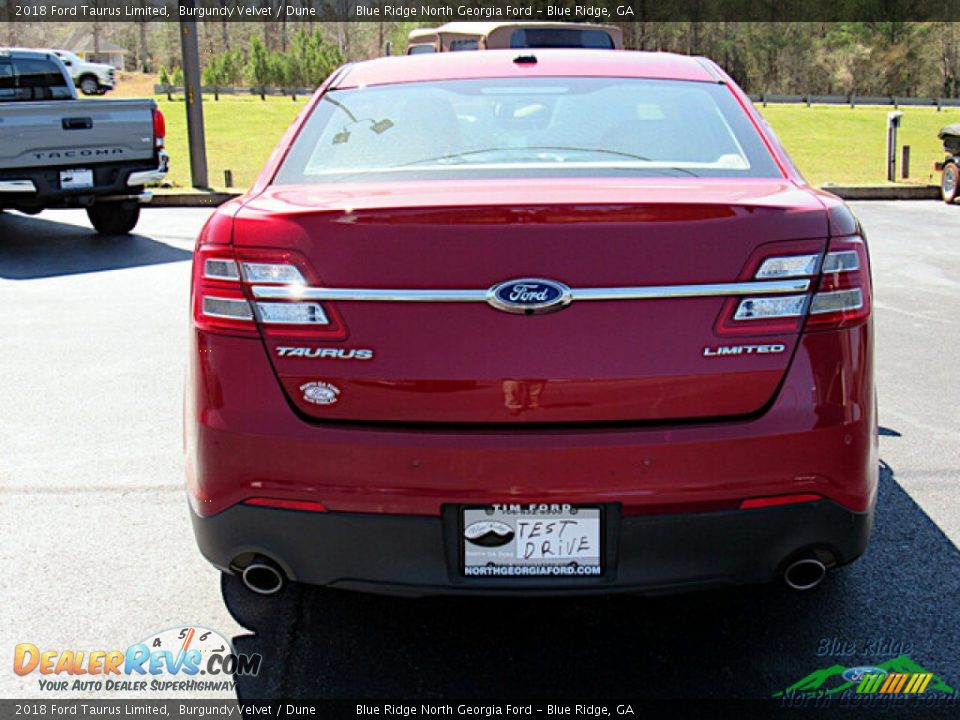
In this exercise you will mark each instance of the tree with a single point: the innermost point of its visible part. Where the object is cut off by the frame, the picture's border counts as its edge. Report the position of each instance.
(283, 72)
(259, 67)
(214, 76)
(165, 82)
(233, 67)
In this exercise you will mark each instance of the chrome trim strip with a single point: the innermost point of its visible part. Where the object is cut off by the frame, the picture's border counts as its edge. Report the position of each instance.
(779, 287)
(17, 186)
(653, 292)
(288, 292)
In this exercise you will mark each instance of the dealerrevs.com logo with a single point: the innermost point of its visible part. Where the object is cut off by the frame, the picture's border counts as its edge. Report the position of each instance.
(185, 659)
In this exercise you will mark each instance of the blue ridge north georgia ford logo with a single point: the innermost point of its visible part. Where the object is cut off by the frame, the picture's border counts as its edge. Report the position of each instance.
(529, 296)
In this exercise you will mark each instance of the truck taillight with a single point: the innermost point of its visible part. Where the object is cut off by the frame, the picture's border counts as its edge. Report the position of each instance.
(838, 294)
(159, 128)
(223, 302)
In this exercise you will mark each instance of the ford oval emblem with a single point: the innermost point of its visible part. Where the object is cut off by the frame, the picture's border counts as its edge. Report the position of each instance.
(529, 296)
(855, 674)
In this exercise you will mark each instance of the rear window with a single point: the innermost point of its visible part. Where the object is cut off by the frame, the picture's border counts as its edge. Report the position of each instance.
(536, 127)
(560, 38)
(32, 79)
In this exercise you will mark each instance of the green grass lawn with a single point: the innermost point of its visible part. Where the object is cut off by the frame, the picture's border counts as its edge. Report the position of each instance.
(830, 144)
(241, 133)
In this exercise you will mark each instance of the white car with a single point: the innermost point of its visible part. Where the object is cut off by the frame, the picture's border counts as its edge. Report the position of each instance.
(90, 78)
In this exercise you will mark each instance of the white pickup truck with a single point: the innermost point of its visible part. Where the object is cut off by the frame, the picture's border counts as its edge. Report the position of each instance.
(57, 151)
(90, 78)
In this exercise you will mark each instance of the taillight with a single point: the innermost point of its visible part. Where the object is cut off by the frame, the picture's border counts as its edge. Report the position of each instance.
(838, 294)
(219, 303)
(842, 297)
(159, 128)
(223, 300)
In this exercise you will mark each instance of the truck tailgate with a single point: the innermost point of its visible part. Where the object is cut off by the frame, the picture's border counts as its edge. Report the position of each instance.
(75, 133)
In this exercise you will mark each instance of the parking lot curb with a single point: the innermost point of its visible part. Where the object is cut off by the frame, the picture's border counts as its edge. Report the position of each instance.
(847, 192)
(191, 198)
(884, 192)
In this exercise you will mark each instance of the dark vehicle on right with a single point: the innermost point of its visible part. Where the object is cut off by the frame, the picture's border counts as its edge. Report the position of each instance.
(950, 167)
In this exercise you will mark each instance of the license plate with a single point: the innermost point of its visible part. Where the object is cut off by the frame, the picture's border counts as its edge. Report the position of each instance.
(546, 540)
(76, 179)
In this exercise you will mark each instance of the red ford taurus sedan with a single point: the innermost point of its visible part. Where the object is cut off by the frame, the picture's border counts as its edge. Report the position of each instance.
(547, 322)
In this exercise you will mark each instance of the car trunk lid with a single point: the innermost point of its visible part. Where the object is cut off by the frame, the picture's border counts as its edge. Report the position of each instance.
(610, 360)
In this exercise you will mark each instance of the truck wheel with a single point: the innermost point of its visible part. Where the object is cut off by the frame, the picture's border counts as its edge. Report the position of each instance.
(89, 85)
(113, 218)
(950, 182)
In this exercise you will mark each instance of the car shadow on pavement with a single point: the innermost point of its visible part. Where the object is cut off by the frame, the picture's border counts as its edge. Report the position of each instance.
(901, 597)
(34, 247)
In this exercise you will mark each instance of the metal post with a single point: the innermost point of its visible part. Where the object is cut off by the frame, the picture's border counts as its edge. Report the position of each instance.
(905, 162)
(893, 124)
(190, 54)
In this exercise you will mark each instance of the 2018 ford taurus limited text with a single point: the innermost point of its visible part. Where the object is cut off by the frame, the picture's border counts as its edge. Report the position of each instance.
(562, 321)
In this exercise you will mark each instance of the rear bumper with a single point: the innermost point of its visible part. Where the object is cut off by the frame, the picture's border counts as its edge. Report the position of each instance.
(409, 555)
(672, 492)
(38, 188)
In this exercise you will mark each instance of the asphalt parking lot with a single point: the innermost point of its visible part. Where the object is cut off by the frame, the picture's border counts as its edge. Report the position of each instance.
(98, 551)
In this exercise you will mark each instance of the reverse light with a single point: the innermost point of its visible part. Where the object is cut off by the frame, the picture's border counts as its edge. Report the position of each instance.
(789, 266)
(283, 274)
(293, 313)
(771, 307)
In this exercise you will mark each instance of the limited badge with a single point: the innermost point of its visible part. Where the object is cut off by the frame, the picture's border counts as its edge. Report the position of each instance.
(320, 393)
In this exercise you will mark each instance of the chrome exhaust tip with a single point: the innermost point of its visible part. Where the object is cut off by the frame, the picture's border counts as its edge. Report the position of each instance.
(804, 574)
(263, 578)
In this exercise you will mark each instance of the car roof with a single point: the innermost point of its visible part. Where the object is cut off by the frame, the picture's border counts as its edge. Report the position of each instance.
(469, 27)
(26, 52)
(549, 63)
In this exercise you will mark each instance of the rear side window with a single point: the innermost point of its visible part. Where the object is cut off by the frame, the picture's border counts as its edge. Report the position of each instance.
(560, 38)
(28, 79)
(534, 127)
(8, 83)
(468, 44)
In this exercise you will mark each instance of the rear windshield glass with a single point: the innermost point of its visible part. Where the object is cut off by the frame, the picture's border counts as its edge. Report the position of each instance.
(560, 38)
(32, 79)
(537, 127)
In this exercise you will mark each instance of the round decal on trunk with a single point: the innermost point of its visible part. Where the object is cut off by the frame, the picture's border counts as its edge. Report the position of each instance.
(320, 393)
